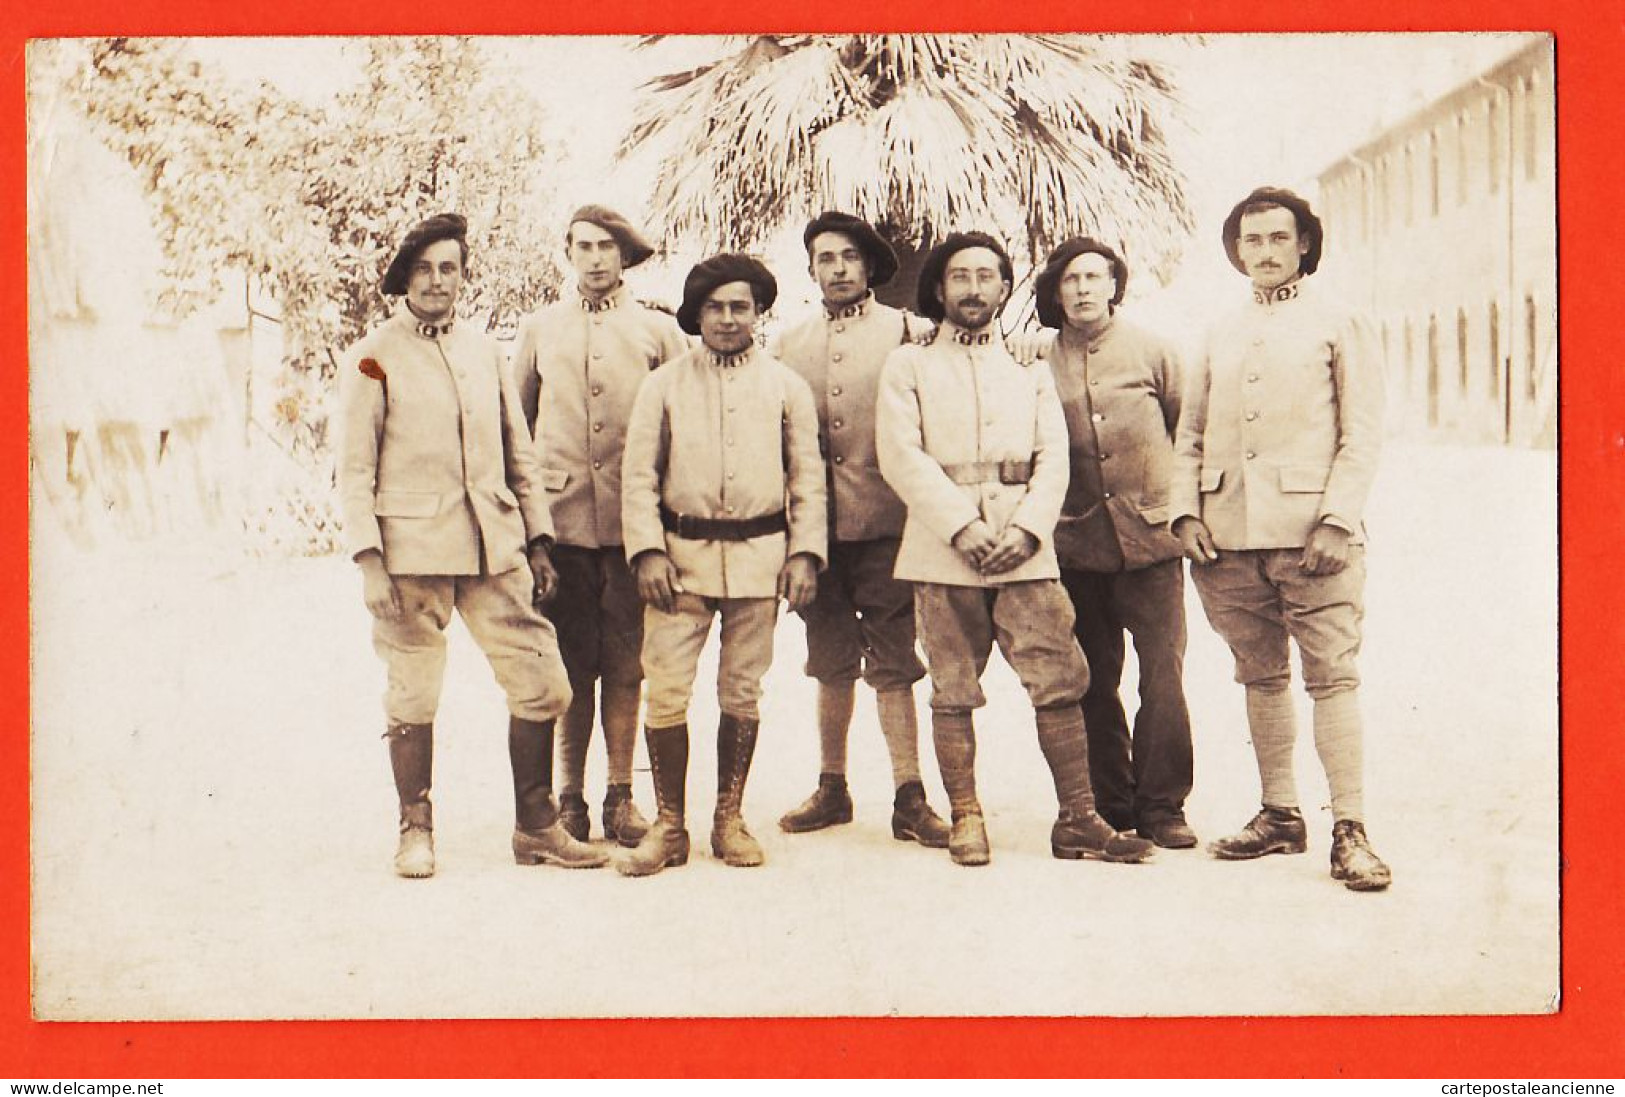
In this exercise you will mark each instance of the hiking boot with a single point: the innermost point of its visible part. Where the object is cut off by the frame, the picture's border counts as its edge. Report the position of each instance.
(573, 815)
(538, 836)
(414, 857)
(1081, 836)
(1272, 830)
(967, 841)
(623, 822)
(730, 841)
(665, 844)
(1353, 860)
(553, 845)
(829, 806)
(913, 820)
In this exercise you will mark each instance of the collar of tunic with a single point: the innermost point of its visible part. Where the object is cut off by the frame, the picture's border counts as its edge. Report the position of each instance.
(981, 337)
(432, 331)
(856, 308)
(610, 301)
(1287, 292)
(727, 361)
(1073, 339)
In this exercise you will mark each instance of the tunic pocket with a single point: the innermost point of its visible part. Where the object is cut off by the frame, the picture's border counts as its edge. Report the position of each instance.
(1211, 479)
(555, 479)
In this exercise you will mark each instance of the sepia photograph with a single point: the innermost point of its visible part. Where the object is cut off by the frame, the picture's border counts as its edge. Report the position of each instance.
(519, 526)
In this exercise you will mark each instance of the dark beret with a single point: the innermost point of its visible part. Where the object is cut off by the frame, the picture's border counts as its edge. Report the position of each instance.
(1308, 225)
(1048, 282)
(925, 291)
(634, 248)
(721, 270)
(442, 226)
(882, 259)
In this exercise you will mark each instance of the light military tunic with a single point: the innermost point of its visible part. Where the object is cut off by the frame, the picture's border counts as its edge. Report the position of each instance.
(958, 402)
(578, 366)
(1282, 422)
(729, 438)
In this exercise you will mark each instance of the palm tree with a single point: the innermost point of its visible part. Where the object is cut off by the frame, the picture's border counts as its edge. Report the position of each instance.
(1037, 137)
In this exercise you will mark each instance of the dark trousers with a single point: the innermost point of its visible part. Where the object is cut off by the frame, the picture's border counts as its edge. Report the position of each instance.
(1140, 781)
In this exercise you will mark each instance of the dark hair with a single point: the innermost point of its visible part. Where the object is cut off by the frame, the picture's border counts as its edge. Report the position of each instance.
(936, 264)
(1267, 198)
(1047, 285)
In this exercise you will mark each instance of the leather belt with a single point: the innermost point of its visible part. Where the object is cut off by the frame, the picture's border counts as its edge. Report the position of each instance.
(990, 472)
(694, 528)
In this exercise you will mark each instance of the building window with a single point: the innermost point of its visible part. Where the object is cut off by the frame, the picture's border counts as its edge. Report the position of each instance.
(1495, 350)
(1531, 126)
(1433, 174)
(1531, 347)
(1409, 183)
(1492, 134)
(1461, 351)
(1461, 158)
(1433, 366)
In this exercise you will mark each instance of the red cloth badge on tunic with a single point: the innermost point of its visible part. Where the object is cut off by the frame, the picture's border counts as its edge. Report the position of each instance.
(369, 367)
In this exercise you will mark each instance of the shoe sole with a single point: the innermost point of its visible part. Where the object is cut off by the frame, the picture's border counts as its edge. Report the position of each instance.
(635, 871)
(909, 834)
(807, 828)
(1278, 847)
(556, 862)
(1068, 853)
(1358, 884)
(1183, 844)
(406, 874)
(970, 860)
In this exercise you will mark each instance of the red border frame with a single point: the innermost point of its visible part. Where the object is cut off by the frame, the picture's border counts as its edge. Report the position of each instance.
(1585, 1039)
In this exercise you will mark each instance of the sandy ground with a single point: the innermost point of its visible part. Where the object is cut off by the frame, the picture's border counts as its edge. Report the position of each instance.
(214, 818)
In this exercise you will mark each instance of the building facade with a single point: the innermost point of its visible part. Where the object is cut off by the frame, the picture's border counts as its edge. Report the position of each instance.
(1445, 227)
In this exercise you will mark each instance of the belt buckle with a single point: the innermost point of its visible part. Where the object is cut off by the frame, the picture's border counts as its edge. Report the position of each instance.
(1010, 472)
(685, 527)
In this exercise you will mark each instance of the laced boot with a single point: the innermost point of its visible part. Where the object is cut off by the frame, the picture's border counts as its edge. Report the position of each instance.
(573, 815)
(538, 839)
(829, 806)
(665, 843)
(1354, 861)
(954, 735)
(411, 757)
(1272, 830)
(1079, 832)
(623, 822)
(913, 820)
(730, 841)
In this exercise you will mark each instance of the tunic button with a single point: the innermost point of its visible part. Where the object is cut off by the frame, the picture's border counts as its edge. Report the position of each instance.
(836, 424)
(597, 390)
(1092, 381)
(730, 476)
(1099, 418)
(730, 441)
(596, 427)
(1103, 456)
(1251, 455)
(596, 357)
(836, 391)
(840, 327)
(1252, 377)
(1108, 495)
(835, 358)
(730, 510)
(1251, 415)
(597, 464)
(839, 459)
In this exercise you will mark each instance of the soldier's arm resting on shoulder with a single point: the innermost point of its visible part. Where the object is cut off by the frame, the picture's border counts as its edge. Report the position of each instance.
(1030, 345)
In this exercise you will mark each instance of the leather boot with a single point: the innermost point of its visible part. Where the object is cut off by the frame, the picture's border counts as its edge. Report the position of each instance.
(829, 806)
(573, 815)
(954, 736)
(913, 820)
(730, 841)
(411, 757)
(1272, 830)
(1354, 861)
(537, 837)
(666, 841)
(1079, 832)
(623, 822)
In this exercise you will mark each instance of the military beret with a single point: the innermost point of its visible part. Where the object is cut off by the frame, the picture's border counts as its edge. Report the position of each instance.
(634, 248)
(1308, 225)
(925, 292)
(1045, 286)
(442, 226)
(882, 259)
(722, 270)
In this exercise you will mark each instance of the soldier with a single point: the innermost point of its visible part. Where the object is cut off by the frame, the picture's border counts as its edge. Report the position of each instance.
(1119, 388)
(442, 511)
(862, 621)
(1276, 452)
(723, 509)
(975, 445)
(578, 366)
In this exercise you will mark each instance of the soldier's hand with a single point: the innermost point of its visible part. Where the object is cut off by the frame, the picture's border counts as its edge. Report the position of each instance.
(657, 581)
(1195, 540)
(1015, 547)
(378, 589)
(1028, 347)
(974, 542)
(545, 574)
(798, 581)
(1327, 552)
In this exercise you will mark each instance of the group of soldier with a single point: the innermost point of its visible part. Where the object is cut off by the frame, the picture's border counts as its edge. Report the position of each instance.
(901, 480)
